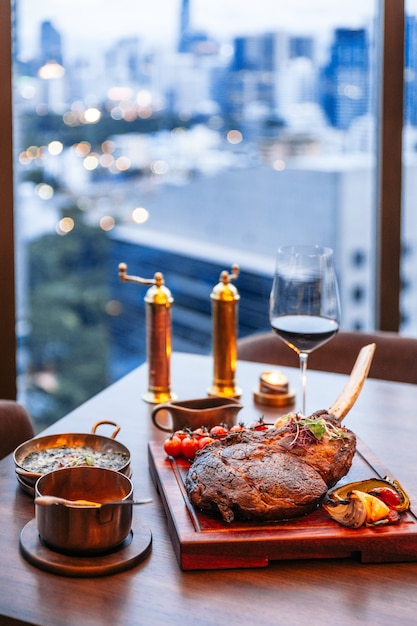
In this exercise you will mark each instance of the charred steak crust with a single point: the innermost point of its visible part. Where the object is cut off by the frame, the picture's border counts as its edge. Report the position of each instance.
(259, 475)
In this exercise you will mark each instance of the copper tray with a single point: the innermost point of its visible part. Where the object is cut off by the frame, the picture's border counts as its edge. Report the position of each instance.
(201, 541)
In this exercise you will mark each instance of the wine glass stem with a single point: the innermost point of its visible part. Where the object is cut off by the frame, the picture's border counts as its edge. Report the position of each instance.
(303, 367)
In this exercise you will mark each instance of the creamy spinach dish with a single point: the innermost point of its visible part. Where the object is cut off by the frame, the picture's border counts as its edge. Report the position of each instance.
(48, 459)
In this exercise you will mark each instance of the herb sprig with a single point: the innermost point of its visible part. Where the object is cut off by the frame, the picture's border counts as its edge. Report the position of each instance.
(308, 430)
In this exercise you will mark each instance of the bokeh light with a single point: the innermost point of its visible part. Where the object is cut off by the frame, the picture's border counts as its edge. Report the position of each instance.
(92, 115)
(44, 191)
(234, 136)
(107, 223)
(278, 165)
(82, 149)
(113, 307)
(55, 147)
(159, 167)
(91, 162)
(51, 70)
(65, 226)
(123, 163)
(140, 215)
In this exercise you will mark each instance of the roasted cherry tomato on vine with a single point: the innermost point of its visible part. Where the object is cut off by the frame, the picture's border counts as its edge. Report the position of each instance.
(218, 432)
(205, 441)
(200, 432)
(172, 446)
(259, 424)
(387, 495)
(237, 428)
(189, 447)
(181, 434)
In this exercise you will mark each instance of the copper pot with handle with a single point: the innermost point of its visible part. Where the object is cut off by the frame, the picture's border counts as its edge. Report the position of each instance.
(48, 443)
(85, 530)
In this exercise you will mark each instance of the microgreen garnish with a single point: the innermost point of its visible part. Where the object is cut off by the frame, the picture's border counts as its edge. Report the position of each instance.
(307, 430)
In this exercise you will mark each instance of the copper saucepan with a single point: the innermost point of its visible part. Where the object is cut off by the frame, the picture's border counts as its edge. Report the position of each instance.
(27, 479)
(88, 529)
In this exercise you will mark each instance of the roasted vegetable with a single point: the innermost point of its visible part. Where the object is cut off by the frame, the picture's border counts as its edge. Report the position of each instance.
(389, 496)
(386, 490)
(350, 512)
(360, 508)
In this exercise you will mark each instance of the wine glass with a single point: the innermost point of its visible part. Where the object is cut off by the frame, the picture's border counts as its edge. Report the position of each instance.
(304, 306)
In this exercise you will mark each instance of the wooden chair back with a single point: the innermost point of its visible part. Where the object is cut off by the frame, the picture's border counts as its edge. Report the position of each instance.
(15, 426)
(395, 356)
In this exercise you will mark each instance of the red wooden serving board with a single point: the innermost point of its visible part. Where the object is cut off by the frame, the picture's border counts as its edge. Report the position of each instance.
(206, 542)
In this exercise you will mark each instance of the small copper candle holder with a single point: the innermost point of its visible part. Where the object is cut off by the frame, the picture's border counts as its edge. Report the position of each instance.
(274, 390)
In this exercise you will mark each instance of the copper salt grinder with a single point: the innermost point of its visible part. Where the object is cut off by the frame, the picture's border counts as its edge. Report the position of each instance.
(158, 301)
(224, 310)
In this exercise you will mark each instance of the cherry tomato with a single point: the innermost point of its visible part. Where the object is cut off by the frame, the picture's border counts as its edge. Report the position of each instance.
(189, 447)
(219, 431)
(200, 432)
(237, 428)
(259, 425)
(181, 434)
(205, 441)
(172, 446)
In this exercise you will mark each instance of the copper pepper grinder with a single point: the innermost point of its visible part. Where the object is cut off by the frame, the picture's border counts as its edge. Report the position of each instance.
(225, 299)
(158, 301)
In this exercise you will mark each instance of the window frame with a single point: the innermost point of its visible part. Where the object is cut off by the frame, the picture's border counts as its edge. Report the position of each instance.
(389, 169)
(8, 372)
(388, 201)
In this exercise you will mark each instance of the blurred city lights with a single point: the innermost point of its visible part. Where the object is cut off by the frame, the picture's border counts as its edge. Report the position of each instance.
(106, 160)
(234, 136)
(278, 165)
(140, 215)
(159, 167)
(107, 223)
(92, 115)
(119, 93)
(51, 70)
(144, 98)
(145, 112)
(91, 162)
(44, 191)
(33, 152)
(108, 146)
(113, 307)
(55, 147)
(82, 149)
(116, 113)
(123, 163)
(65, 225)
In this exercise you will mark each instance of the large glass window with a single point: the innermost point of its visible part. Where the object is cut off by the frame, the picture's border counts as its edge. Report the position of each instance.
(409, 193)
(183, 137)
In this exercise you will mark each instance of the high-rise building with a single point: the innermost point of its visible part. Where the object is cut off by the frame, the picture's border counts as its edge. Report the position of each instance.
(251, 83)
(302, 46)
(191, 40)
(345, 79)
(50, 44)
(184, 26)
(410, 75)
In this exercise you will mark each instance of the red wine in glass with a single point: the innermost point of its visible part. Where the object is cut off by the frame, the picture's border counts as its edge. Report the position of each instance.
(304, 307)
(304, 333)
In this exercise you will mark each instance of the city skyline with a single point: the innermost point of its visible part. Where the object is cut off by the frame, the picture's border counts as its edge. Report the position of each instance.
(220, 19)
(191, 186)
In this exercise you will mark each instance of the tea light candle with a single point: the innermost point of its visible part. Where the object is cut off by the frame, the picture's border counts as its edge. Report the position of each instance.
(273, 382)
(273, 390)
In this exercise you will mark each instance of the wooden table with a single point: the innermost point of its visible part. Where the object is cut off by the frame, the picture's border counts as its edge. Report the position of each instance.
(156, 591)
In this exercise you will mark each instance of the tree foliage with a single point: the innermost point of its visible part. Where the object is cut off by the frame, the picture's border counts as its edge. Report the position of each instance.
(68, 338)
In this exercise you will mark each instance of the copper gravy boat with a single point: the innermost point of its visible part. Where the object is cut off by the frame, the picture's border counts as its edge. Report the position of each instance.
(207, 412)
